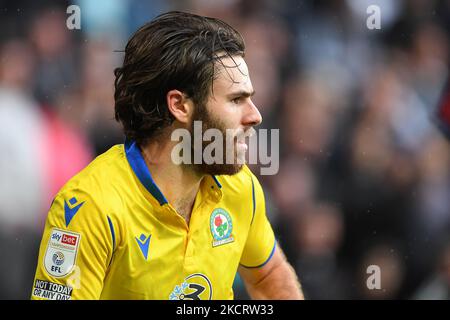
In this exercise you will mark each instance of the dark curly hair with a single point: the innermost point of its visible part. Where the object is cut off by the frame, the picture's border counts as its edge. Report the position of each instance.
(176, 50)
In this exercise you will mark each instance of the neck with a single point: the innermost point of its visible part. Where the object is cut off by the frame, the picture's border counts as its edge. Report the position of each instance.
(178, 183)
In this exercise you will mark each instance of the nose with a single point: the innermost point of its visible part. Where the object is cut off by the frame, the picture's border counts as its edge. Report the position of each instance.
(252, 116)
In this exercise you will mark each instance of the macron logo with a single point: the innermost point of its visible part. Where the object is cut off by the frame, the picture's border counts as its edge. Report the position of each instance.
(71, 209)
(144, 243)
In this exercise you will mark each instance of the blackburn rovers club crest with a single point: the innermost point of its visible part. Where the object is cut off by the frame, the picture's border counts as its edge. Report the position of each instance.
(221, 227)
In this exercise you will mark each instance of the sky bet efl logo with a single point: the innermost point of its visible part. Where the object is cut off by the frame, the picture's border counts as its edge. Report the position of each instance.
(61, 253)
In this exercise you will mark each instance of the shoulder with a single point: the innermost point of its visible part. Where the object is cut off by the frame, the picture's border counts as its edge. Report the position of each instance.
(241, 183)
(97, 183)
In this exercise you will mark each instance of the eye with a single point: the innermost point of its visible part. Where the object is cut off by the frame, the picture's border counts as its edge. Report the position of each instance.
(237, 100)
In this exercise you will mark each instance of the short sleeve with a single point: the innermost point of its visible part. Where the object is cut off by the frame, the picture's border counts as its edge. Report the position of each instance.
(75, 251)
(260, 244)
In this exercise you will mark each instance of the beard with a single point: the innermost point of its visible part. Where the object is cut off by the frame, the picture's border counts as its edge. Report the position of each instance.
(224, 167)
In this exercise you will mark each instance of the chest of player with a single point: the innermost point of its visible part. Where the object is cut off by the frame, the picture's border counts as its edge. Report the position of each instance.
(164, 258)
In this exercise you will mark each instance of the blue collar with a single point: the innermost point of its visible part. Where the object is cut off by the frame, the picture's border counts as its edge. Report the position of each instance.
(141, 170)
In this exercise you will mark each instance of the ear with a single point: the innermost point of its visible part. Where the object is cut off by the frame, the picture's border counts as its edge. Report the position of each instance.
(180, 106)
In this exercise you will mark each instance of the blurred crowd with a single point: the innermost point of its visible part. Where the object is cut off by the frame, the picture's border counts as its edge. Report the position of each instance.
(364, 173)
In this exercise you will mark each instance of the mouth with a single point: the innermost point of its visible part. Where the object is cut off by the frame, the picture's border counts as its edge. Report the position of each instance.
(240, 139)
(242, 145)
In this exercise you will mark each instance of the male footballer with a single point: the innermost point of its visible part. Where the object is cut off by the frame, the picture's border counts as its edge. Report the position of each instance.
(134, 224)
